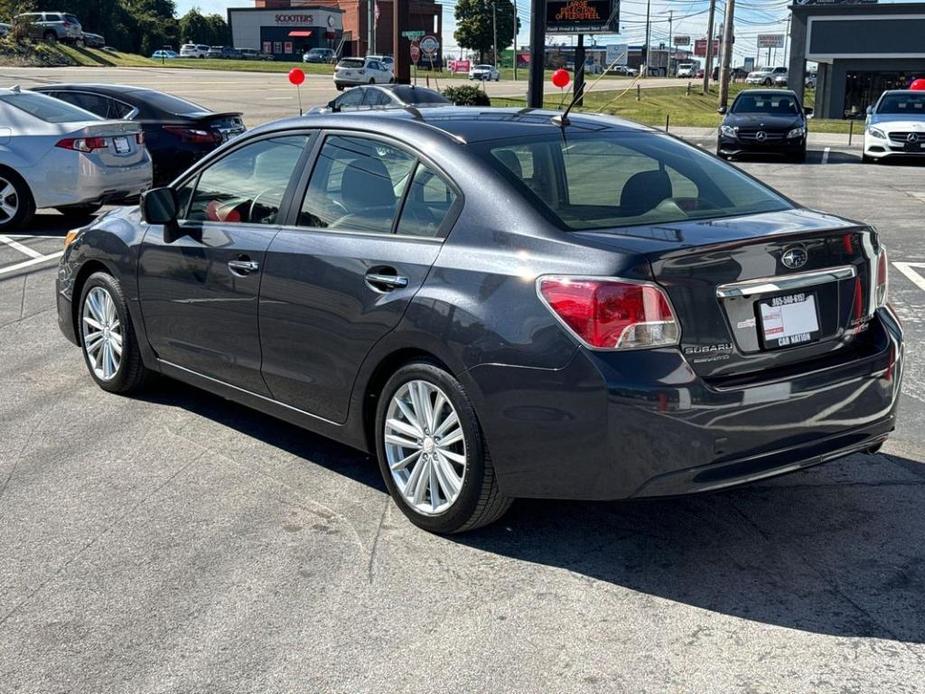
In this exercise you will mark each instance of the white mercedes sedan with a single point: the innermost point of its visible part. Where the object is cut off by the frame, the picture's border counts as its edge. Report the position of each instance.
(895, 126)
(55, 155)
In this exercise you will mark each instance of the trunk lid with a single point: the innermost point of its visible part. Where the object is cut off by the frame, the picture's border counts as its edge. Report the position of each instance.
(228, 125)
(760, 292)
(122, 146)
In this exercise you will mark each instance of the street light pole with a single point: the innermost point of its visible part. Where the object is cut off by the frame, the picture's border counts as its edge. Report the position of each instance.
(515, 40)
(494, 29)
(537, 53)
(645, 49)
(670, 37)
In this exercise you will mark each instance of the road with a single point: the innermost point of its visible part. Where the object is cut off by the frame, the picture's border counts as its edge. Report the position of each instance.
(179, 543)
(261, 96)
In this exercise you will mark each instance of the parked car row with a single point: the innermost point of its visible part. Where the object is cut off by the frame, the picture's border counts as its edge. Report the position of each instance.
(75, 147)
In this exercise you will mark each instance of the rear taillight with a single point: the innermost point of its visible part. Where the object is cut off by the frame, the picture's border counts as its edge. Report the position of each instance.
(612, 313)
(883, 280)
(195, 135)
(83, 144)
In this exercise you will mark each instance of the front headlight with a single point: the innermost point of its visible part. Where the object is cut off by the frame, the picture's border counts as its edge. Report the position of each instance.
(797, 132)
(727, 131)
(875, 132)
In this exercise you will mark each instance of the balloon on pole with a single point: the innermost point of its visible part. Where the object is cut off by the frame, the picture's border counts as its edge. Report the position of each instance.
(918, 85)
(296, 77)
(561, 78)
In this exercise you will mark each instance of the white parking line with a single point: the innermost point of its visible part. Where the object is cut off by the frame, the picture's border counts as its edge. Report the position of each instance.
(29, 263)
(25, 250)
(916, 278)
(825, 155)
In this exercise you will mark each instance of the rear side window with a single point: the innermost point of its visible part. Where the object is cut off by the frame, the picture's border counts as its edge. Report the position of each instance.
(357, 185)
(247, 185)
(616, 179)
(351, 63)
(427, 205)
(47, 108)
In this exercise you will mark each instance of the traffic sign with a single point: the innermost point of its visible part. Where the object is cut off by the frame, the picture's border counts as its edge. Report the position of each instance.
(412, 34)
(415, 53)
(430, 45)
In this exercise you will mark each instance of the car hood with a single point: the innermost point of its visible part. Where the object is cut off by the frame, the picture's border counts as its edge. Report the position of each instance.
(895, 121)
(762, 120)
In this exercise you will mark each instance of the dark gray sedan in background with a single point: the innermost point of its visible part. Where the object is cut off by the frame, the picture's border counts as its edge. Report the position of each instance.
(499, 305)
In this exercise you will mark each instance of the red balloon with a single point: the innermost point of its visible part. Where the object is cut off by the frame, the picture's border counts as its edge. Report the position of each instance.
(561, 78)
(918, 85)
(296, 76)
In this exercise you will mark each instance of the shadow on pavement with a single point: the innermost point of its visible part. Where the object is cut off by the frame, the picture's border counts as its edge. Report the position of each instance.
(836, 550)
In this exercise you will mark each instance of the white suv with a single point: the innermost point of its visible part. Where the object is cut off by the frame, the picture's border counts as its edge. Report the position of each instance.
(765, 76)
(193, 50)
(353, 71)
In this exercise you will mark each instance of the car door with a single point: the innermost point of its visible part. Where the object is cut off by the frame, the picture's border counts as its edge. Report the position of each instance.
(341, 275)
(199, 292)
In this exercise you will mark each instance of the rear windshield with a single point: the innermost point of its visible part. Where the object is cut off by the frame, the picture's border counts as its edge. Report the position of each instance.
(616, 179)
(772, 104)
(412, 95)
(351, 62)
(168, 103)
(47, 108)
(913, 103)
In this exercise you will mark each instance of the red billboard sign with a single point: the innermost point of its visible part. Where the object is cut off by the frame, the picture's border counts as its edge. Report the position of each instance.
(700, 47)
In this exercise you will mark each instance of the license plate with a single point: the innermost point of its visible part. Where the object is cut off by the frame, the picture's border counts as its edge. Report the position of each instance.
(789, 320)
(121, 143)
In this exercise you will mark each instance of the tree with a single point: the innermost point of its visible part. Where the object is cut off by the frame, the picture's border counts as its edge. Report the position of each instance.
(475, 28)
(219, 31)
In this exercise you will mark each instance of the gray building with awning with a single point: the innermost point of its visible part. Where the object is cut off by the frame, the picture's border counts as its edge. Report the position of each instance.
(861, 50)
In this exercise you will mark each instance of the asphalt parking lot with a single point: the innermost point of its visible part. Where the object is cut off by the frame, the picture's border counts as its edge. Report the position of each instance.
(176, 542)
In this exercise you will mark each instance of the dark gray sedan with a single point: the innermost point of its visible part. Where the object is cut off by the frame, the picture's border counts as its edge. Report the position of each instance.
(499, 305)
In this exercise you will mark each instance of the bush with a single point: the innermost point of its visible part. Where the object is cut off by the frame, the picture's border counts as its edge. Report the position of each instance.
(467, 95)
(27, 53)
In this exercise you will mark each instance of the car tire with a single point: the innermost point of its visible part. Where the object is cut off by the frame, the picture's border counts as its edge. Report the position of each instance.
(720, 154)
(372, 80)
(103, 303)
(79, 213)
(867, 160)
(767, 83)
(16, 203)
(461, 468)
(50, 37)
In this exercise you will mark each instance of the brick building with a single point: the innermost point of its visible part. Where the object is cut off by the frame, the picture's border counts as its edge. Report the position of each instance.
(424, 15)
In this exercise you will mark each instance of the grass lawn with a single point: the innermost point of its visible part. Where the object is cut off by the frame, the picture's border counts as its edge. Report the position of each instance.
(655, 104)
(92, 57)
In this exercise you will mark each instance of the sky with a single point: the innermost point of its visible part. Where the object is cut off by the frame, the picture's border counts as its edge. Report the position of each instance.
(689, 17)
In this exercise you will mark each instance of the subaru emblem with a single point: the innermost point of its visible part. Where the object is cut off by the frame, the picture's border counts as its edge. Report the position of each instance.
(794, 257)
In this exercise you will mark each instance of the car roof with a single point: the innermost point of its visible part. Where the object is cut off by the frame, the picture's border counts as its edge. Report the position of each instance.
(460, 123)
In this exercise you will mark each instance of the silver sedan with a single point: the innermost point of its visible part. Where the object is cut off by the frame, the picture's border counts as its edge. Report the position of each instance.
(56, 155)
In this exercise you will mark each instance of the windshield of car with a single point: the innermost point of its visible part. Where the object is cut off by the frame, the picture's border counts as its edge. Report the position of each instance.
(168, 103)
(483, 67)
(911, 103)
(46, 108)
(618, 179)
(771, 104)
(351, 62)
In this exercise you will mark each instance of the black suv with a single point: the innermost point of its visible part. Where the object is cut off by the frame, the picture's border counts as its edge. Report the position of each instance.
(764, 121)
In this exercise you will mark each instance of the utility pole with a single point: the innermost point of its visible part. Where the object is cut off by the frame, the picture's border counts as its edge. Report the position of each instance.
(537, 53)
(645, 49)
(515, 40)
(371, 28)
(579, 85)
(787, 41)
(708, 60)
(727, 54)
(401, 46)
(670, 44)
(494, 30)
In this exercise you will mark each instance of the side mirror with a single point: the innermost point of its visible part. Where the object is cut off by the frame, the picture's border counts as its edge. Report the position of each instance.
(870, 110)
(721, 110)
(808, 110)
(332, 104)
(159, 206)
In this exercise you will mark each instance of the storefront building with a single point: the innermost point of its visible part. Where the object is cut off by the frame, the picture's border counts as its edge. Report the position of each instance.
(423, 15)
(861, 49)
(286, 33)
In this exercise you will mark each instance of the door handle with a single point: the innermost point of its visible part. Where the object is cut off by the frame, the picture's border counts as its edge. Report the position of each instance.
(385, 281)
(242, 266)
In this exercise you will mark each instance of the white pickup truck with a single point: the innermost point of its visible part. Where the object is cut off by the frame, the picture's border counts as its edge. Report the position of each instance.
(685, 69)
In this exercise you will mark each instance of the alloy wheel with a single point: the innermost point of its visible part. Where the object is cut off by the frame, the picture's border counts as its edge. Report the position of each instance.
(425, 447)
(9, 200)
(102, 333)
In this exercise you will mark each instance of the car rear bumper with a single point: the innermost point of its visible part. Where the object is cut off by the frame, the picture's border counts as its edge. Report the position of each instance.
(65, 178)
(612, 425)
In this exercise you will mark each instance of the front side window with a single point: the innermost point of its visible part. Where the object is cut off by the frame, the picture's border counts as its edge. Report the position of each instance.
(617, 179)
(247, 185)
(357, 185)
